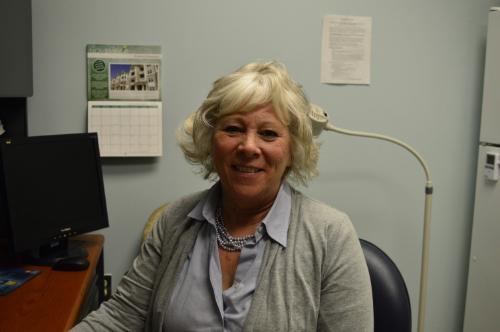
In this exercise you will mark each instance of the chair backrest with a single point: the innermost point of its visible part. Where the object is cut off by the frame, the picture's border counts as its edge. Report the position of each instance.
(391, 302)
(152, 219)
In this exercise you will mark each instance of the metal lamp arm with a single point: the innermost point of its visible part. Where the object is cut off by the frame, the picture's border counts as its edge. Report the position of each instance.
(320, 122)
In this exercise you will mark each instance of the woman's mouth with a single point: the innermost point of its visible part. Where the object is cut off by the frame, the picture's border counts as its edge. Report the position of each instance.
(247, 169)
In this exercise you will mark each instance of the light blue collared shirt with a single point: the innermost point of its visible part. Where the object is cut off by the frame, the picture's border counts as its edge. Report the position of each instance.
(198, 302)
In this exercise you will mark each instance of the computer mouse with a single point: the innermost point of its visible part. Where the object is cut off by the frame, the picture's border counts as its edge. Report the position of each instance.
(71, 264)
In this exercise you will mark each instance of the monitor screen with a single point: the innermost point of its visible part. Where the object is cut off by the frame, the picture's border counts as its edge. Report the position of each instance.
(52, 188)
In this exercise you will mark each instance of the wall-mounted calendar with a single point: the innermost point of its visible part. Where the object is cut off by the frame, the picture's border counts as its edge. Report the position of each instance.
(124, 106)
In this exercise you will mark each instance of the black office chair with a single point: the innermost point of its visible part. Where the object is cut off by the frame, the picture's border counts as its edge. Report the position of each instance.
(391, 302)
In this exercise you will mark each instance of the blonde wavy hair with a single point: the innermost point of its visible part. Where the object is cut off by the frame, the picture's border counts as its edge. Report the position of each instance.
(249, 87)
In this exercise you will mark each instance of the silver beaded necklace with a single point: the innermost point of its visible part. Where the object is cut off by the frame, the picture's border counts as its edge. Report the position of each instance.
(225, 240)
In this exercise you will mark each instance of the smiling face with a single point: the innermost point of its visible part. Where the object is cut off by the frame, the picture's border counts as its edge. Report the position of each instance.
(251, 152)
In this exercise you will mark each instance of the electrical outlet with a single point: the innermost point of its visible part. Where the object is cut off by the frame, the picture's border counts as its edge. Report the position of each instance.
(107, 286)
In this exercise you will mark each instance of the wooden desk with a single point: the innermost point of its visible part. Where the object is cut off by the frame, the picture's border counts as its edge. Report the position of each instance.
(54, 300)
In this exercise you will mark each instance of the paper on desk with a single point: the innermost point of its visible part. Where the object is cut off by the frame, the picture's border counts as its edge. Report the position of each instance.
(12, 278)
(346, 49)
(127, 128)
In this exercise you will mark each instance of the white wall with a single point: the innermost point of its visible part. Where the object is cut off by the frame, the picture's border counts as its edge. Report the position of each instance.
(426, 90)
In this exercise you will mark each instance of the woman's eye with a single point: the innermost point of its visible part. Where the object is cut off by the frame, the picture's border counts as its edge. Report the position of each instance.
(269, 134)
(232, 129)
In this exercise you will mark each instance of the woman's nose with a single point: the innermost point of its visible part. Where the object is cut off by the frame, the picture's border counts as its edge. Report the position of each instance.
(249, 145)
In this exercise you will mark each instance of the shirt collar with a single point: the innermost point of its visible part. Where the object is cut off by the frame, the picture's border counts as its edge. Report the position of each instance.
(205, 209)
(276, 221)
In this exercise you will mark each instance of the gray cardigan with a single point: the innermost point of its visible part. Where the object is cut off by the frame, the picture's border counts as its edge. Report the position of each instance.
(319, 282)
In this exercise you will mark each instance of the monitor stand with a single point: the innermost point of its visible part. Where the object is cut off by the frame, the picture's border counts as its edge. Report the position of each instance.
(55, 251)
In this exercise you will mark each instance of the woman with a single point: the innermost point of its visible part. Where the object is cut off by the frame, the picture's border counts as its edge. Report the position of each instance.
(251, 253)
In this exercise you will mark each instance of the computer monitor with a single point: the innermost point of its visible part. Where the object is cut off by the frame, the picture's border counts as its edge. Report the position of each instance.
(51, 188)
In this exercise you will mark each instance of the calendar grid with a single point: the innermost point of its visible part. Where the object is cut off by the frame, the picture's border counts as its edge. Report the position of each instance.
(127, 129)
